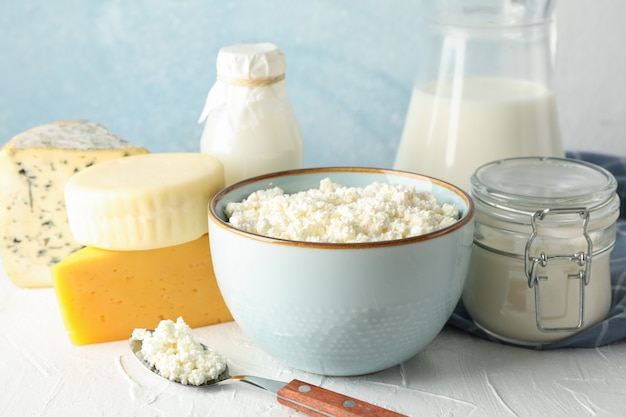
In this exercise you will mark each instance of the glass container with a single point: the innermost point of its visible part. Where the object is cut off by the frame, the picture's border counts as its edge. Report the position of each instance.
(484, 88)
(544, 230)
(250, 125)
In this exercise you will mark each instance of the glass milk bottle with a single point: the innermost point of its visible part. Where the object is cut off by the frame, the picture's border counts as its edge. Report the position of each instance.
(483, 90)
(250, 124)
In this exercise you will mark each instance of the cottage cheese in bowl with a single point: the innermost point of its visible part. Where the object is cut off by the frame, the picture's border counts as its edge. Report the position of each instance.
(341, 271)
(334, 213)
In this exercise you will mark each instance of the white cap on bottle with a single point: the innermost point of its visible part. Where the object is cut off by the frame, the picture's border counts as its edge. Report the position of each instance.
(242, 71)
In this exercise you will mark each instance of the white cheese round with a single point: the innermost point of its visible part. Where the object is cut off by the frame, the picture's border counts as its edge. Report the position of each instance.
(338, 214)
(143, 202)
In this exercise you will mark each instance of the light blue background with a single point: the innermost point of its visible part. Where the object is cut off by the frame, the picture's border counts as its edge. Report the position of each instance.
(143, 69)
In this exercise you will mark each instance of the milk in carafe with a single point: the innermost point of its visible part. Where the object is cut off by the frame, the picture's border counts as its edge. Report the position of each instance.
(452, 128)
(484, 88)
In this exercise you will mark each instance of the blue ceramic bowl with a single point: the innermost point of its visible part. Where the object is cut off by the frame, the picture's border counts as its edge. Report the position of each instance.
(341, 309)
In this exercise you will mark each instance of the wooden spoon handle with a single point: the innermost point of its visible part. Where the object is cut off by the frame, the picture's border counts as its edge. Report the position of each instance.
(320, 402)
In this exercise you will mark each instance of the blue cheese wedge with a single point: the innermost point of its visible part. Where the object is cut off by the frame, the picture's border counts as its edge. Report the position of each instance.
(34, 168)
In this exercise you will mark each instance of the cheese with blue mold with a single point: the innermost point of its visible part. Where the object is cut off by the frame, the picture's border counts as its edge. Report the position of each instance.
(34, 169)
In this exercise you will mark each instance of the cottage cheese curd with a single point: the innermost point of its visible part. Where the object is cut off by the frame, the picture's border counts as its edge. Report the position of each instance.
(338, 214)
(172, 351)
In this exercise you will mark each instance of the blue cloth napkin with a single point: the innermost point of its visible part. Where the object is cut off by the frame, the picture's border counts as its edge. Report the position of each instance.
(613, 328)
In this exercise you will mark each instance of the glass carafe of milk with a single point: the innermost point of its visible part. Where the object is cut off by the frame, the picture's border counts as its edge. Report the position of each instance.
(484, 89)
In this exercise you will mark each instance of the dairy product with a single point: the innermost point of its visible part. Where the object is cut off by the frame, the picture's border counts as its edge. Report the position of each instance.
(338, 214)
(544, 231)
(250, 124)
(175, 354)
(247, 151)
(34, 168)
(143, 202)
(499, 300)
(103, 295)
(454, 127)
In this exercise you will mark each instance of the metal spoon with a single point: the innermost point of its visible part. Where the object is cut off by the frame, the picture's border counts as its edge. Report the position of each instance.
(301, 396)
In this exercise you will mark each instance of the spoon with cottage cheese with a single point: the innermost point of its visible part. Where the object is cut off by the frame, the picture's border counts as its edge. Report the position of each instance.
(172, 352)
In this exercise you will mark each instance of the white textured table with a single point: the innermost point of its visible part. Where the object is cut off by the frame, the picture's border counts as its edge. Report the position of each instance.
(42, 374)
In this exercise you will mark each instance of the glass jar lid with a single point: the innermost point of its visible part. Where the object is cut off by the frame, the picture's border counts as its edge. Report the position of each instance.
(530, 184)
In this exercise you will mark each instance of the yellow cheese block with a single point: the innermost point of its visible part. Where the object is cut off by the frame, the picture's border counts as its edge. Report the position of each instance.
(104, 295)
(34, 168)
(143, 202)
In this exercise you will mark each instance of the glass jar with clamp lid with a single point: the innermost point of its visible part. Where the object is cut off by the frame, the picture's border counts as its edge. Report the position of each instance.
(544, 230)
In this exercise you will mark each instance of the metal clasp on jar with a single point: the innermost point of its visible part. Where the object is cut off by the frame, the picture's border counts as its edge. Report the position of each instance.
(582, 258)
